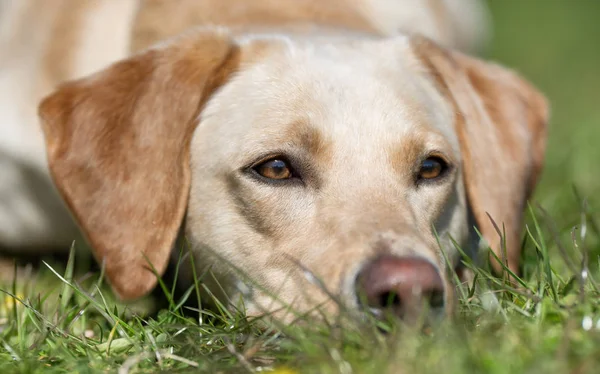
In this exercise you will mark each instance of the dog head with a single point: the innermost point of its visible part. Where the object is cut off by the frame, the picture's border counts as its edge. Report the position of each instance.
(296, 160)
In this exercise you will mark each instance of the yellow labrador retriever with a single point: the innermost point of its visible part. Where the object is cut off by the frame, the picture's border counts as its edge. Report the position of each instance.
(281, 137)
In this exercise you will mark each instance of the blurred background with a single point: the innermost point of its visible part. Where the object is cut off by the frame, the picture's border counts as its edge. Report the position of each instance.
(556, 45)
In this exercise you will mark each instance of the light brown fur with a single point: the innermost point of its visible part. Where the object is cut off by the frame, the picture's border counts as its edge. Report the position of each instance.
(496, 107)
(117, 225)
(158, 19)
(59, 57)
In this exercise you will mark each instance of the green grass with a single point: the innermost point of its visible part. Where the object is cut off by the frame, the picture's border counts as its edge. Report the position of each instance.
(61, 322)
(552, 323)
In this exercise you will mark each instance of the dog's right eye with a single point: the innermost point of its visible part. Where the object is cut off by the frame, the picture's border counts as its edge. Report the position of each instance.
(276, 169)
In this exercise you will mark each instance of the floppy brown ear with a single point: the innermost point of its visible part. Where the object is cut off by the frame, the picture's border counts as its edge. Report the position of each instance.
(118, 150)
(501, 125)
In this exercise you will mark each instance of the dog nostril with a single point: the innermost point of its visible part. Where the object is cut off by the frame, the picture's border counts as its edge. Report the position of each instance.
(406, 287)
(433, 299)
(390, 300)
(436, 299)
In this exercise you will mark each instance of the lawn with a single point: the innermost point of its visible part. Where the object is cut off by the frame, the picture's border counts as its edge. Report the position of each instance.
(62, 321)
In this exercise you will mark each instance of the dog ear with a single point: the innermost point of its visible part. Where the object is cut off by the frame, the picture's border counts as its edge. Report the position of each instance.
(118, 151)
(501, 125)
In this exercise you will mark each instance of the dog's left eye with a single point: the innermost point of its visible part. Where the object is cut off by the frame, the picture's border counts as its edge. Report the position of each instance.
(276, 169)
(432, 168)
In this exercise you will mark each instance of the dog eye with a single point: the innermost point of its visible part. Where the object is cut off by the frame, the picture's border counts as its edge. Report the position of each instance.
(277, 169)
(432, 168)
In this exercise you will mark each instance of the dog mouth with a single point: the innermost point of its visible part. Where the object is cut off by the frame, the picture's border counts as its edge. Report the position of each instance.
(388, 288)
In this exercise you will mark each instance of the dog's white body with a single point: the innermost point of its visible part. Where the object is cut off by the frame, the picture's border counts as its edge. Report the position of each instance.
(37, 52)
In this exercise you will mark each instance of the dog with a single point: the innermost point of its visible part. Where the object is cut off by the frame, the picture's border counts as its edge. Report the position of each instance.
(307, 151)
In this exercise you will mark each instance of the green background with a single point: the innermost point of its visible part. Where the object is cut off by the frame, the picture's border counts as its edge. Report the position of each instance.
(556, 45)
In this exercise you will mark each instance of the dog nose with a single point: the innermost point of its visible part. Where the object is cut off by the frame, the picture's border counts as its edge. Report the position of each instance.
(405, 286)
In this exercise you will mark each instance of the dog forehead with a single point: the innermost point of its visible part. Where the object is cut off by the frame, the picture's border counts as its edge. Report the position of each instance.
(352, 91)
